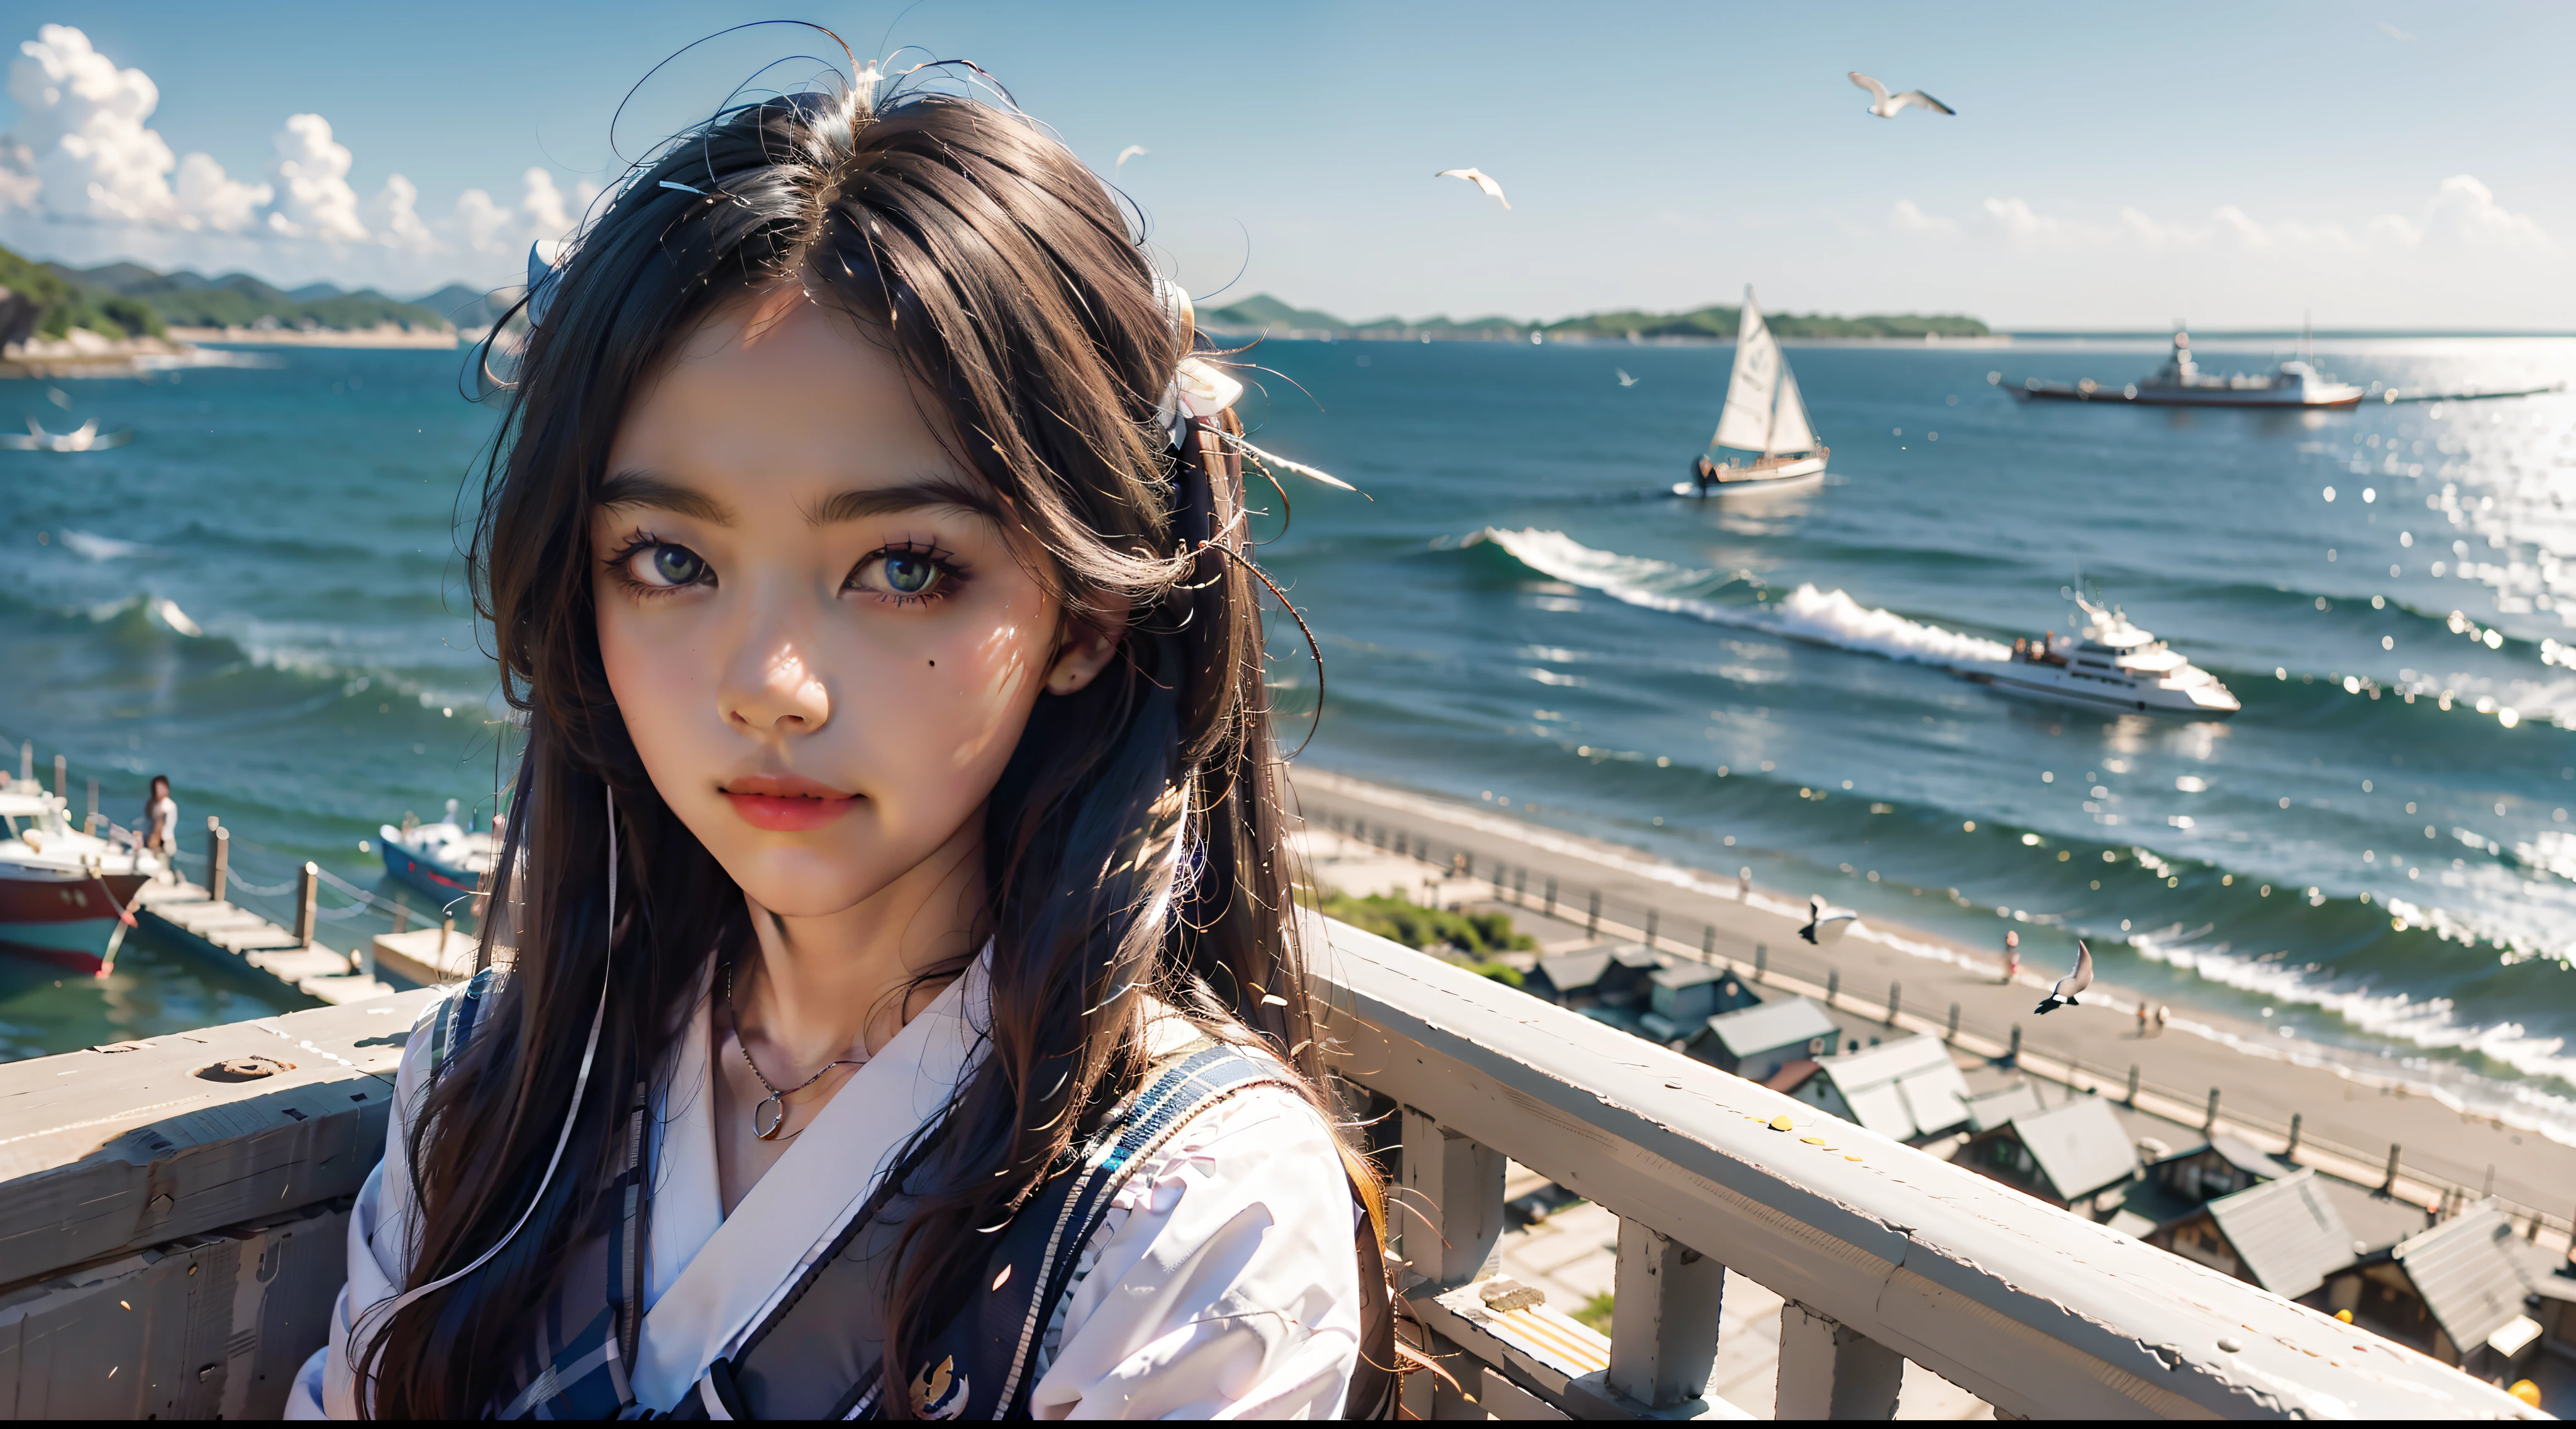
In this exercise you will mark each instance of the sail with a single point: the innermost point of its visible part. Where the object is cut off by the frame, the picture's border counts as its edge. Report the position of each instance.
(1746, 422)
(1789, 429)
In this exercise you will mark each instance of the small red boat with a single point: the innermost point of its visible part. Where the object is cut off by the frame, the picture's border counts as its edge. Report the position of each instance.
(66, 897)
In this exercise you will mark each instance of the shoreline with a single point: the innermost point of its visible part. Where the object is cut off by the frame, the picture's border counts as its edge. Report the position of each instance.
(381, 337)
(2353, 1106)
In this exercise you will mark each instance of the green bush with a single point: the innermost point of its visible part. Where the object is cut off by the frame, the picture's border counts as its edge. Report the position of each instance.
(1418, 927)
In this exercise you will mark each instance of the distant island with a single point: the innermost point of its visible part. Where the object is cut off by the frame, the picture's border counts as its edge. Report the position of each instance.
(64, 321)
(1266, 314)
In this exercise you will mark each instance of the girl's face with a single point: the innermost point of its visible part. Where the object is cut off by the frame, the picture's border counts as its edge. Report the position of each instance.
(823, 645)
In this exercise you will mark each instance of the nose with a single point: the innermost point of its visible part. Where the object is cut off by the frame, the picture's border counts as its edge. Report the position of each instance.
(770, 690)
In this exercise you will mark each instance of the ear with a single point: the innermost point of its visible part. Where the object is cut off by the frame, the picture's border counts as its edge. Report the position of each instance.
(1085, 649)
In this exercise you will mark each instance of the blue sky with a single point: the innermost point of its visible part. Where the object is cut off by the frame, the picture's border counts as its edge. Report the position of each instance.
(2393, 165)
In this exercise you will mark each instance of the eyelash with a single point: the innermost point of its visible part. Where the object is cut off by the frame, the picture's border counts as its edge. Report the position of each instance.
(950, 573)
(621, 567)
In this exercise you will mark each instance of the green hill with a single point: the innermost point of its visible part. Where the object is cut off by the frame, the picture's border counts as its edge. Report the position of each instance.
(41, 303)
(1256, 314)
(188, 299)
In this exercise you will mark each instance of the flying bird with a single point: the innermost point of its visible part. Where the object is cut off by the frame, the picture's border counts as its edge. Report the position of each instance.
(1477, 177)
(1624, 379)
(1132, 151)
(2063, 995)
(1885, 105)
(1826, 923)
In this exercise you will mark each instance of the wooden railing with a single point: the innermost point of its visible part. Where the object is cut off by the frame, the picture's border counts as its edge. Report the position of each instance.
(1885, 1254)
(173, 1217)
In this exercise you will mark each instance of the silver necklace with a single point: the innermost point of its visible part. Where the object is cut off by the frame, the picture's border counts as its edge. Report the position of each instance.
(770, 1116)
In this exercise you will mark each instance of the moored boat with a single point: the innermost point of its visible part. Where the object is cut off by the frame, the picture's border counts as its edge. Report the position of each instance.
(66, 897)
(2111, 664)
(1764, 418)
(446, 860)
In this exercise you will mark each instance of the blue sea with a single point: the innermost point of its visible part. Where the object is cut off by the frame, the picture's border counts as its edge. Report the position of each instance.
(2375, 852)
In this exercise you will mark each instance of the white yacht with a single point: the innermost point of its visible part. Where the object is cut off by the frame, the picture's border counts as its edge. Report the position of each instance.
(2111, 664)
(2296, 384)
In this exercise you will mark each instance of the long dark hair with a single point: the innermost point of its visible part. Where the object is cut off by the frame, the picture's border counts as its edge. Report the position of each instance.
(1134, 845)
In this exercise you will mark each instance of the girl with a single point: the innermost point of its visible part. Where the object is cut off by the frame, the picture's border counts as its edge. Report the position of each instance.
(906, 1014)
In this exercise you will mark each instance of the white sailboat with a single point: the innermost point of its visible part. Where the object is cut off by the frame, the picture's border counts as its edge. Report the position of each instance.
(1764, 416)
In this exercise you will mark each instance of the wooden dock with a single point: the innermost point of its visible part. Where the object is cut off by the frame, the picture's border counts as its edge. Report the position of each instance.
(186, 915)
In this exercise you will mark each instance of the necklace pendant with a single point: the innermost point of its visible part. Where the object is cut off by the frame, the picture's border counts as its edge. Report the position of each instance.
(769, 1118)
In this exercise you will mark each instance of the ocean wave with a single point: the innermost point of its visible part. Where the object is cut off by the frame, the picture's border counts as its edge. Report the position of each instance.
(100, 548)
(1806, 613)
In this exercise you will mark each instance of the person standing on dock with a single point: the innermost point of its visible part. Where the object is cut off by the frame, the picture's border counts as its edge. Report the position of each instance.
(908, 1014)
(161, 818)
(2012, 956)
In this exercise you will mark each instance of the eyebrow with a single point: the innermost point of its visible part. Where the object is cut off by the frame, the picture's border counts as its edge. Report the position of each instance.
(643, 488)
(860, 503)
(648, 489)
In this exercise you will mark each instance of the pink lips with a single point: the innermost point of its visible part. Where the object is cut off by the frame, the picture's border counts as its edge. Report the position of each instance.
(785, 803)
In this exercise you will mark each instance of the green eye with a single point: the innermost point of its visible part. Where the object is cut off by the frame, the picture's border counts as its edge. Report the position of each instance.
(675, 565)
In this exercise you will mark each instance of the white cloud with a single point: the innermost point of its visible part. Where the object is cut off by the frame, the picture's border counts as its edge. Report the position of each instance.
(216, 199)
(1906, 218)
(81, 131)
(2462, 212)
(395, 213)
(486, 224)
(314, 199)
(544, 206)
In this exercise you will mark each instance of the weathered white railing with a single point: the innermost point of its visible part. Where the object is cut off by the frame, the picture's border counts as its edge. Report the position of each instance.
(173, 1214)
(1885, 1254)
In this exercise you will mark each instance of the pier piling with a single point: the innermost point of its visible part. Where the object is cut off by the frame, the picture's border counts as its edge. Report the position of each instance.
(1893, 989)
(2012, 1052)
(1761, 962)
(1652, 917)
(62, 779)
(2388, 1183)
(1551, 898)
(2288, 1153)
(2133, 1101)
(1708, 944)
(308, 892)
(1592, 919)
(219, 841)
(1833, 984)
(93, 803)
(1954, 1023)
(2209, 1124)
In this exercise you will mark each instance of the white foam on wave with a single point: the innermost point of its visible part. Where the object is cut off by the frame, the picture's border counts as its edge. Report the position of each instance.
(2432, 1023)
(100, 548)
(1820, 617)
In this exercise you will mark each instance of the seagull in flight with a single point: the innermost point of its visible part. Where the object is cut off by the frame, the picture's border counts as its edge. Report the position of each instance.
(1885, 105)
(1132, 151)
(1477, 177)
(2063, 995)
(1624, 379)
(1826, 923)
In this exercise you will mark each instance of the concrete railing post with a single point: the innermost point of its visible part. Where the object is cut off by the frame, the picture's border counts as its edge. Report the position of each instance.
(1954, 1022)
(2209, 1123)
(1894, 990)
(2388, 1184)
(219, 857)
(62, 779)
(1663, 1318)
(2133, 1101)
(1708, 944)
(1652, 918)
(1833, 984)
(1551, 898)
(1761, 962)
(308, 890)
(1592, 917)
(1452, 1221)
(2012, 1053)
(1830, 1372)
(2288, 1152)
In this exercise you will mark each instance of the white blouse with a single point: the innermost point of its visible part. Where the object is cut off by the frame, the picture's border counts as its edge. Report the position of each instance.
(1220, 1285)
